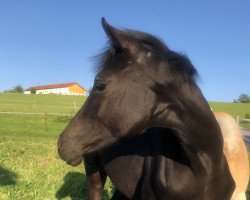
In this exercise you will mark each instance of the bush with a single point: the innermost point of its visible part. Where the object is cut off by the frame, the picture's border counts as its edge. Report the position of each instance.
(33, 91)
(63, 119)
(247, 116)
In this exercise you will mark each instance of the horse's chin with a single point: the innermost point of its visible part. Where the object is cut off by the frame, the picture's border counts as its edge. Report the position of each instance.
(71, 158)
(74, 158)
(74, 163)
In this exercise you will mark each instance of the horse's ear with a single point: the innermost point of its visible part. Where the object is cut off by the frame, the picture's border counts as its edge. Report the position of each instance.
(120, 39)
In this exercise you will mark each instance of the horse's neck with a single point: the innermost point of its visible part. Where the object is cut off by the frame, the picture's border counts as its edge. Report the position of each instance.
(192, 119)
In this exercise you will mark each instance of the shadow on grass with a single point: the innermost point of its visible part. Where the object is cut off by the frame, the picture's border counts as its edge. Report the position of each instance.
(7, 177)
(74, 187)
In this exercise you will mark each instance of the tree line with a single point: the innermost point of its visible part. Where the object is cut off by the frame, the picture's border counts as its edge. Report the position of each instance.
(243, 98)
(19, 89)
(16, 89)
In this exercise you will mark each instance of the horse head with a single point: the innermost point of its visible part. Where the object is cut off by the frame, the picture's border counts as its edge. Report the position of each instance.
(140, 84)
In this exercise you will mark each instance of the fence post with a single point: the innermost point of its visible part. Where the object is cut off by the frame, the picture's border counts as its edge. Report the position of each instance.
(238, 119)
(75, 105)
(46, 121)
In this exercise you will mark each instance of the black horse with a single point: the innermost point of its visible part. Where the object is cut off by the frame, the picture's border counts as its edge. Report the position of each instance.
(147, 126)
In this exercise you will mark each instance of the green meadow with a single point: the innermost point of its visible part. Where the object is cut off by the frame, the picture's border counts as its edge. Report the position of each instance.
(234, 109)
(29, 165)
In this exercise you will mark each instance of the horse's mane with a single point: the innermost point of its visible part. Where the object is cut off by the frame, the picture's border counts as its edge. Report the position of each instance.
(178, 62)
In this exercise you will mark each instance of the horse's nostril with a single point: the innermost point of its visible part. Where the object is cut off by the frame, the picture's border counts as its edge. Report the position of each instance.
(59, 142)
(60, 147)
(62, 154)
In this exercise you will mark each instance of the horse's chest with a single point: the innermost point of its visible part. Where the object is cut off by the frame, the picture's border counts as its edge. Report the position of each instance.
(164, 178)
(125, 173)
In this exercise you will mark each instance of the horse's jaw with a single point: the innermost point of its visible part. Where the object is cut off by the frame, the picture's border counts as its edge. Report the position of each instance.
(73, 144)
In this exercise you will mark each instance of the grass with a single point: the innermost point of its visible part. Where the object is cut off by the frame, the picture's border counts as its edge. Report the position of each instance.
(234, 109)
(29, 165)
(40, 103)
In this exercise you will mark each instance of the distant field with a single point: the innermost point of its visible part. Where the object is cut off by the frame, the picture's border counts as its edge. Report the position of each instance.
(234, 109)
(40, 103)
(69, 104)
(29, 165)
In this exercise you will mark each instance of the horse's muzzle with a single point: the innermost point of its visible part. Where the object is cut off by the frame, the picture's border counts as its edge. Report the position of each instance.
(70, 155)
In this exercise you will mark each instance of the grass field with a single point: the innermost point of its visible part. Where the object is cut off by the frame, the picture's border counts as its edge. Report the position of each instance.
(29, 164)
(234, 109)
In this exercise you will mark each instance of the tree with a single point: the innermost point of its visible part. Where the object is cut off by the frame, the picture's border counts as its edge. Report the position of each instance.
(16, 89)
(33, 91)
(247, 116)
(19, 89)
(243, 98)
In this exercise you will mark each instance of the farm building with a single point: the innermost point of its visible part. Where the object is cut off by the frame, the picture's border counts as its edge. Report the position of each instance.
(63, 88)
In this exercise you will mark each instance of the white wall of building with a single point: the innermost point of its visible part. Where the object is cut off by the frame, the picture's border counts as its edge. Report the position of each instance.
(27, 92)
(63, 91)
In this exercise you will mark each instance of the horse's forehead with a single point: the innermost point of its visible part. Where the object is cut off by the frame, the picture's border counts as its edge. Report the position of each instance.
(119, 70)
(118, 63)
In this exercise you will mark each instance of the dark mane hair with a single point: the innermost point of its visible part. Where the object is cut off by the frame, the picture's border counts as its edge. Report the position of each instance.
(178, 62)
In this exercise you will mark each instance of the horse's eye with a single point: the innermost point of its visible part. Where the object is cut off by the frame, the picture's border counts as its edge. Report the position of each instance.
(100, 85)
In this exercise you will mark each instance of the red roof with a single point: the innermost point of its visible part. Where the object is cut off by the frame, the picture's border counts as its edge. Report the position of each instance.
(43, 87)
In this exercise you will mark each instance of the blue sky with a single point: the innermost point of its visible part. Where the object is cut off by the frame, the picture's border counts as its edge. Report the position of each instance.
(53, 41)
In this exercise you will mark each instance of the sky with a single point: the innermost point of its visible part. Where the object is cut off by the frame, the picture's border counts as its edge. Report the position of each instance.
(54, 41)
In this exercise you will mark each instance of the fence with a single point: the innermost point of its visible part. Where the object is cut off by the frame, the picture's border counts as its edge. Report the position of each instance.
(34, 113)
(45, 113)
(54, 108)
(34, 107)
